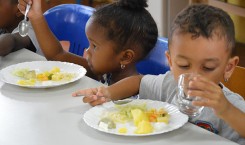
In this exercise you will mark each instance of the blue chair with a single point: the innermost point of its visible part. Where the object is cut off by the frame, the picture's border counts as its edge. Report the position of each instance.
(155, 62)
(68, 22)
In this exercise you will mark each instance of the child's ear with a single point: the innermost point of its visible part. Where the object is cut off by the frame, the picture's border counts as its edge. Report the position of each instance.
(232, 63)
(167, 54)
(128, 56)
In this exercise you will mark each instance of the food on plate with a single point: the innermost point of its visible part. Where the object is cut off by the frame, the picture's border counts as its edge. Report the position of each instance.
(123, 130)
(160, 115)
(144, 120)
(139, 116)
(20, 72)
(31, 77)
(107, 123)
(30, 82)
(144, 127)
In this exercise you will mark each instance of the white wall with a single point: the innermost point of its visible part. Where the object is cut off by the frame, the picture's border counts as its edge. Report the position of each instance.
(158, 13)
(164, 11)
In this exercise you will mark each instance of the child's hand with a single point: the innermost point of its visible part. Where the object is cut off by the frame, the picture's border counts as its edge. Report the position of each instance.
(211, 95)
(35, 11)
(94, 96)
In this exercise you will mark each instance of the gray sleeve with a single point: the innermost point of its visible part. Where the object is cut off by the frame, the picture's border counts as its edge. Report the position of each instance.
(150, 87)
(32, 36)
(240, 104)
(235, 99)
(161, 87)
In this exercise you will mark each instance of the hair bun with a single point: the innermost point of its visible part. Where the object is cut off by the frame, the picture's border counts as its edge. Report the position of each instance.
(133, 4)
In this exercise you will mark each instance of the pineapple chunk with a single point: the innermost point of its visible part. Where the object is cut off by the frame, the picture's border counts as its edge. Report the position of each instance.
(138, 116)
(144, 127)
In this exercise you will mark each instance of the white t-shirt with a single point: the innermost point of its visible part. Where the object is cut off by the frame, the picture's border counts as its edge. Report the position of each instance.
(32, 36)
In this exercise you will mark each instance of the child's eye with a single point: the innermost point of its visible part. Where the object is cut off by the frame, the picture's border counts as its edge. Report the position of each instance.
(184, 66)
(94, 46)
(208, 69)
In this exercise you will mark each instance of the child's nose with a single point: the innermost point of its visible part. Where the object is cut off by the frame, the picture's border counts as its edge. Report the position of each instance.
(197, 71)
(88, 50)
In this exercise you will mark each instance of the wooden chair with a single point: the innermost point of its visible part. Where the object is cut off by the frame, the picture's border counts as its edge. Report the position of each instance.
(236, 83)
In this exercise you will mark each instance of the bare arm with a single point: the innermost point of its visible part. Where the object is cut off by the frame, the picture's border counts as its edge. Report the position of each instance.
(214, 98)
(125, 88)
(122, 89)
(49, 44)
(235, 118)
(13, 42)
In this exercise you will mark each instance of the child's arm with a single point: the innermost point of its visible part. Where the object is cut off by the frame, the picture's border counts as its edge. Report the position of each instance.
(50, 46)
(13, 42)
(125, 88)
(213, 97)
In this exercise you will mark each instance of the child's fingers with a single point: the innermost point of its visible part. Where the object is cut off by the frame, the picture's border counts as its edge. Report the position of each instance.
(205, 103)
(102, 92)
(79, 93)
(99, 101)
(89, 99)
(86, 92)
(204, 85)
(21, 8)
(200, 93)
(26, 1)
(210, 103)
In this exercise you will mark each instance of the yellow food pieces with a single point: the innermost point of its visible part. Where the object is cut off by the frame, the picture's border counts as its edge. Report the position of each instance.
(55, 70)
(144, 127)
(42, 77)
(30, 82)
(62, 76)
(160, 115)
(54, 75)
(143, 119)
(164, 119)
(30, 77)
(138, 116)
(123, 130)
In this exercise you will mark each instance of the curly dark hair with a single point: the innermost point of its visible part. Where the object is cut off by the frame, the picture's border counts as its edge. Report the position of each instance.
(206, 21)
(129, 25)
(14, 1)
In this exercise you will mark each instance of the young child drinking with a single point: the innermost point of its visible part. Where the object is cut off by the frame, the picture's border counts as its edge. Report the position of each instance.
(201, 41)
(120, 34)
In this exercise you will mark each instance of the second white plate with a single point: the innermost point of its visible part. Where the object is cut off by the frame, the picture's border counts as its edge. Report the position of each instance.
(177, 119)
(6, 74)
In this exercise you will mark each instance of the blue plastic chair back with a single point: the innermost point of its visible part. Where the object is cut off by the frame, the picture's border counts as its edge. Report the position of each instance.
(68, 22)
(155, 62)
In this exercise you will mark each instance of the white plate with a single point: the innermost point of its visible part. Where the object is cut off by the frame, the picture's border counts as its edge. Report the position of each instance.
(6, 74)
(177, 119)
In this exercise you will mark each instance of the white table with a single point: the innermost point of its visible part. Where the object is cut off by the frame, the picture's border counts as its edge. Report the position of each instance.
(53, 117)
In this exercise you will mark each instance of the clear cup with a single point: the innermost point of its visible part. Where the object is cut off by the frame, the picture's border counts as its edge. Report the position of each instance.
(184, 101)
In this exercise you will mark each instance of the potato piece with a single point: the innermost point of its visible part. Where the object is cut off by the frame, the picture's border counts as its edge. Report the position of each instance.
(30, 75)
